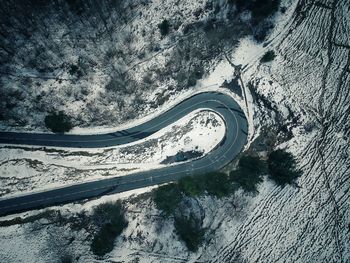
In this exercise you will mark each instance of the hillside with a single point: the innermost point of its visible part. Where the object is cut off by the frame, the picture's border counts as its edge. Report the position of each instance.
(115, 62)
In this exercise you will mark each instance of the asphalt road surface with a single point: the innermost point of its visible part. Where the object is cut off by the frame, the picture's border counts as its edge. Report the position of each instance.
(232, 143)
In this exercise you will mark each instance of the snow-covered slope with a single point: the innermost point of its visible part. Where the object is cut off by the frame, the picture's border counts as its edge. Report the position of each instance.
(299, 101)
(311, 77)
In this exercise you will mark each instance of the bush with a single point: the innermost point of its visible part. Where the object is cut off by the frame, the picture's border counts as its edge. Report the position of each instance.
(190, 231)
(264, 8)
(252, 164)
(196, 74)
(217, 184)
(164, 27)
(191, 186)
(260, 9)
(268, 56)
(249, 173)
(282, 167)
(167, 198)
(76, 6)
(103, 241)
(74, 70)
(111, 220)
(58, 122)
(66, 258)
(192, 81)
(117, 84)
(48, 214)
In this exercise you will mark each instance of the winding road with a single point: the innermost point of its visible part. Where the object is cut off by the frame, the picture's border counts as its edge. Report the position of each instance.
(232, 143)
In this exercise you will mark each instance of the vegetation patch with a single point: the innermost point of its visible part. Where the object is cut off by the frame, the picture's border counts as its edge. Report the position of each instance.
(48, 214)
(66, 258)
(117, 83)
(75, 70)
(249, 173)
(110, 219)
(282, 168)
(191, 186)
(77, 6)
(107, 222)
(262, 9)
(196, 73)
(217, 184)
(164, 27)
(268, 56)
(190, 231)
(167, 198)
(58, 122)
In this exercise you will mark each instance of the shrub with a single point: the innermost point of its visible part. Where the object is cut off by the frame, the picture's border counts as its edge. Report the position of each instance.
(191, 186)
(117, 84)
(217, 8)
(217, 184)
(105, 213)
(58, 122)
(104, 239)
(190, 231)
(209, 25)
(282, 167)
(196, 74)
(249, 173)
(262, 31)
(252, 165)
(48, 214)
(110, 217)
(268, 56)
(164, 27)
(240, 4)
(75, 70)
(76, 6)
(260, 9)
(167, 198)
(192, 81)
(264, 8)
(66, 258)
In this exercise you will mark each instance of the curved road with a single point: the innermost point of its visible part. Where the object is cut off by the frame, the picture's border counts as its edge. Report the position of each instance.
(234, 140)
